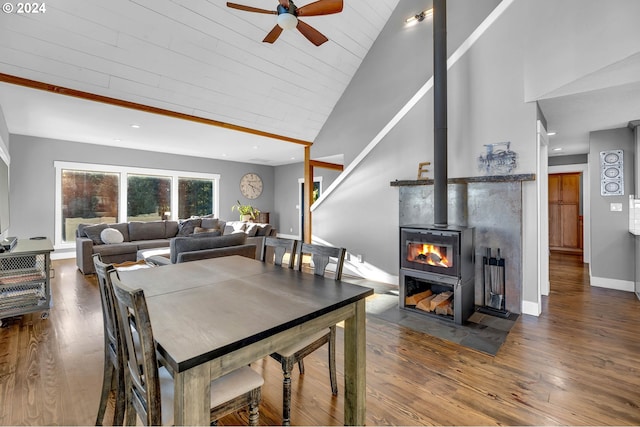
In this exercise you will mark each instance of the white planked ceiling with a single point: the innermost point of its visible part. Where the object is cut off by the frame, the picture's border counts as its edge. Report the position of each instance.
(196, 57)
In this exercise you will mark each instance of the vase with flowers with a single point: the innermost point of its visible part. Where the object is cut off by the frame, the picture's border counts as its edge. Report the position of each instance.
(247, 212)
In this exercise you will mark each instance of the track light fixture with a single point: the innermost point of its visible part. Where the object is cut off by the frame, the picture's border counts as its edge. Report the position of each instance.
(419, 17)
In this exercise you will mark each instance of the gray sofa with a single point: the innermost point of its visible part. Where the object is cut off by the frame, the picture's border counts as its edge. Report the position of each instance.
(184, 249)
(138, 236)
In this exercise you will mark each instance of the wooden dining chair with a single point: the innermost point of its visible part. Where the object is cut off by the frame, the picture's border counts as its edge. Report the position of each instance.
(275, 249)
(113, 375)
(321, 258)
(149, 388)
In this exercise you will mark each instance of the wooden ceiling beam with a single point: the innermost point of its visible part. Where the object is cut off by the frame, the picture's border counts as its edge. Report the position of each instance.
(34, 84)
(326, 165)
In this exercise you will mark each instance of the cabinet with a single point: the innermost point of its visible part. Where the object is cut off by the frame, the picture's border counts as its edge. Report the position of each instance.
(25, 280)
(263, 217)
(565, 231)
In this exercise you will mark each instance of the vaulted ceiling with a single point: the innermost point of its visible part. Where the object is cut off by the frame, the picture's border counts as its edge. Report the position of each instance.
(201, 59)
(194, 57)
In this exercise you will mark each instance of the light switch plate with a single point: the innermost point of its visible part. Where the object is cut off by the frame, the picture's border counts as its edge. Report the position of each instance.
(616, 207)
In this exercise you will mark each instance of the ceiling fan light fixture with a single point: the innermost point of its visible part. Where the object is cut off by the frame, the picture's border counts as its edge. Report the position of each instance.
(287, 21)
(287, 17)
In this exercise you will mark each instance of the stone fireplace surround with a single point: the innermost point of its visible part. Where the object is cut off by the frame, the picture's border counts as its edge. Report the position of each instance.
(490, 204)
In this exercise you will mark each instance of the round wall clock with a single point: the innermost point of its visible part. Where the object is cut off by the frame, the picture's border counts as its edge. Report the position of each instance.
(251, 185)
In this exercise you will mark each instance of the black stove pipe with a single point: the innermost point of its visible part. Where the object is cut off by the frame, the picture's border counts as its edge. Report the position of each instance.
(440, 112)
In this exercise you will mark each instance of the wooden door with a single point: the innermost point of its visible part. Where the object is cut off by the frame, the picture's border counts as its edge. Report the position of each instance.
(564, 212)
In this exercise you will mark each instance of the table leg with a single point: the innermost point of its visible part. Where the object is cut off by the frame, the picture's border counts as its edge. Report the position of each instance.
(192, 397)
(355, 349)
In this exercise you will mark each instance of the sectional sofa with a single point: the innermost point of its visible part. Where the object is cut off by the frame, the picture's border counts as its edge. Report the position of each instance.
(184, 249)
(122, 241)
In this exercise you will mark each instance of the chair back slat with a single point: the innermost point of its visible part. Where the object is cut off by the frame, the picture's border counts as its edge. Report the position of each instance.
(141, 360)
(113, 376)
(275, 248)
(112, 335)
(322, 257)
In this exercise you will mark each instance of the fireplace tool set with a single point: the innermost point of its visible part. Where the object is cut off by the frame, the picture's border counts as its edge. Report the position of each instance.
(493, 277)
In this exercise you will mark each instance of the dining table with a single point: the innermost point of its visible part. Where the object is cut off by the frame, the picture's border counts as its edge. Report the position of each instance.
(213, 316)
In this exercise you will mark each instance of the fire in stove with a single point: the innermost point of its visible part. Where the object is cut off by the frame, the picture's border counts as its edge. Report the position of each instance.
(429, 254)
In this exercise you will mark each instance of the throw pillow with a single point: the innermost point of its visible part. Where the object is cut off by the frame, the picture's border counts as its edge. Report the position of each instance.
(198, 230)
(234, 227)
(210, 223)
(251, 230)
(111, 236)
(122, 227)
(146, 230)
(80, 230)
(93, 232)
(264, 229)
(187, 226)
(171, 229)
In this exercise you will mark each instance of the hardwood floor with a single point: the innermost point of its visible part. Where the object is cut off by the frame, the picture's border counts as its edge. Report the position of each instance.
(576, 364)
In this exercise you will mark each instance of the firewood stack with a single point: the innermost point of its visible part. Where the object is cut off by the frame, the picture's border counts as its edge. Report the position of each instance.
(434, 303)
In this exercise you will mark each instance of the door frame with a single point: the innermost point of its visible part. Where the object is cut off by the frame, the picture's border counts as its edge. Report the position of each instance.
(300, 205)
(586, 204)
(543, 213)
(561, 204)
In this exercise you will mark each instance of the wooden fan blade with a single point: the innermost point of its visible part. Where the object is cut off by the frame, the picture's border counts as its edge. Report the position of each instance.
(311, 33)
(250, 9)
(321, 7)
(273, 34)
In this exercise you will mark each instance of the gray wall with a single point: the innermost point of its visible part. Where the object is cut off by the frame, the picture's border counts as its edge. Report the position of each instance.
(4, 133)
(286, 196)
(575, 159)
(485, 106)
(4, 155)
(33, 177)
(397, 65)
(637, 278)
(636, 188)
(613, 247)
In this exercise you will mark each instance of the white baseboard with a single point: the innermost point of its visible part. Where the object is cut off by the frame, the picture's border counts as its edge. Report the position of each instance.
(531, 308)
(620, 285)
(62, 255)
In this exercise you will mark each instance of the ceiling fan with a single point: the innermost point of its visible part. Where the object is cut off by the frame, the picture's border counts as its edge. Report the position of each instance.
(288, 14)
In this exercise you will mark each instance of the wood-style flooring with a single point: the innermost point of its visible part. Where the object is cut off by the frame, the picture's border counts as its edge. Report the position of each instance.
(576, 364)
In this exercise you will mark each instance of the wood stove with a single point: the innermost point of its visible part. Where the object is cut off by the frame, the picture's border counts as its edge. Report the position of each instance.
(437, 271)
(437, 261)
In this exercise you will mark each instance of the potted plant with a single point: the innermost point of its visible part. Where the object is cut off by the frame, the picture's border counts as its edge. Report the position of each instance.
(247, 212)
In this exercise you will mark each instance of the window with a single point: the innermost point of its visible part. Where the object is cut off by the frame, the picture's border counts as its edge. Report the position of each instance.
(149, 198)
(87, 197)
(89, 193)
(195, 197)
